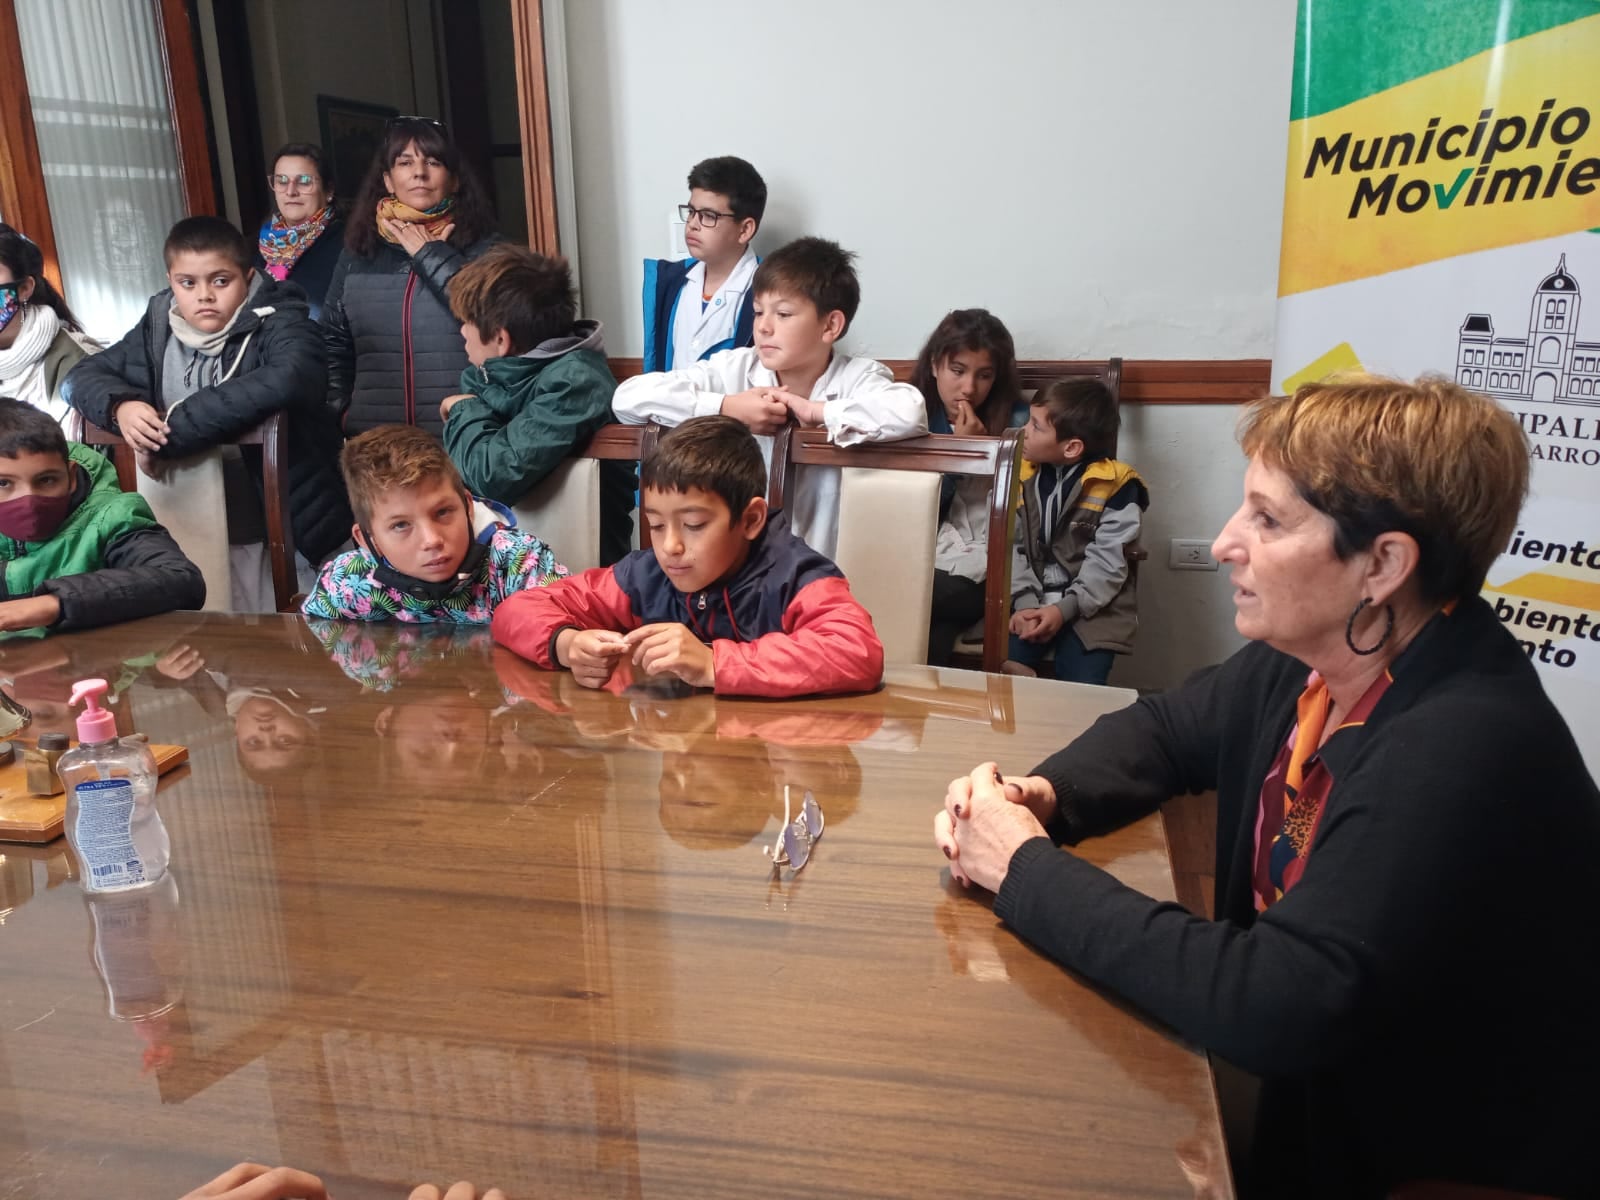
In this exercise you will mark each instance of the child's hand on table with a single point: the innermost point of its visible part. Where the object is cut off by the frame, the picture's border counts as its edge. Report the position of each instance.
(31, 612)
(668, 648)
(590, 654)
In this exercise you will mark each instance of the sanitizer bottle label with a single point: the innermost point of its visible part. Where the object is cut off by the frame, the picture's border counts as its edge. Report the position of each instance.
(104, 833)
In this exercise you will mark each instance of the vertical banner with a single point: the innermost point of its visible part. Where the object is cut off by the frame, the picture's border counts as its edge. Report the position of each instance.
(1442, 214)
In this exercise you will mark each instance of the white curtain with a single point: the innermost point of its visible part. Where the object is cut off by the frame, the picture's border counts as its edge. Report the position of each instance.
(108, 149)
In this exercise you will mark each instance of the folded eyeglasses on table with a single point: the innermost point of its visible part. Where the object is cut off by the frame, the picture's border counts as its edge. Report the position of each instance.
(798, 836)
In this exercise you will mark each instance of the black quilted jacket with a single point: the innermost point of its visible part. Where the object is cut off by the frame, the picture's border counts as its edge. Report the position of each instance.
(394, 350)
(282, 369)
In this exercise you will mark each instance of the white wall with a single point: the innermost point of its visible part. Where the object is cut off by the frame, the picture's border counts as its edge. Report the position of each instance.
(1107, 178)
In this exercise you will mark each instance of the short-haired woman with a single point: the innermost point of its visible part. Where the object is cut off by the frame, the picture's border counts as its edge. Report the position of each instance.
(300, 241)
(1407, 942)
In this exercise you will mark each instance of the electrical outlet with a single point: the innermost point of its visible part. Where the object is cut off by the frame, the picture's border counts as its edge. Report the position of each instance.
(1189, 554)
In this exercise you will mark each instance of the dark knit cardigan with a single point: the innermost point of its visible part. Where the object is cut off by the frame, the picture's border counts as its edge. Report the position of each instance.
(1422, 1004)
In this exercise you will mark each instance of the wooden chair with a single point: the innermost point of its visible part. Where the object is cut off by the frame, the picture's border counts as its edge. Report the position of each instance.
(887, 527)
(1033, 375)
(272, 435)
(563, 509)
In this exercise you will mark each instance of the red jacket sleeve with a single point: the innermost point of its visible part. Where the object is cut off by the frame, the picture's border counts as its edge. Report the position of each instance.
(529, 621)
(827, 645)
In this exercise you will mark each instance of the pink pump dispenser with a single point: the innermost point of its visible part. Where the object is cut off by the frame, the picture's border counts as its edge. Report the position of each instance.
(95, 724)
(111, 820)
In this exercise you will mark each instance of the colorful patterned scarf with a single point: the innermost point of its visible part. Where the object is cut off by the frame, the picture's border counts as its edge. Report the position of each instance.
(282, 245)
(433, 220)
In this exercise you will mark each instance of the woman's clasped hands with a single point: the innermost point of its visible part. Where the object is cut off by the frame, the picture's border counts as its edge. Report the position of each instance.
(985, 818)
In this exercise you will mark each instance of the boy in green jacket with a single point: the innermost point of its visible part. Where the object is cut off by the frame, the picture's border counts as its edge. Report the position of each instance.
(76, 550)
(538, 387)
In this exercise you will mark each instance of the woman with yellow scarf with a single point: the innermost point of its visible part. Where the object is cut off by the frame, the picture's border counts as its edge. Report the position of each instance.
(394, 350)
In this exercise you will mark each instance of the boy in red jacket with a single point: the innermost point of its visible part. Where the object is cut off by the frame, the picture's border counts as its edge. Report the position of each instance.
(725, 598)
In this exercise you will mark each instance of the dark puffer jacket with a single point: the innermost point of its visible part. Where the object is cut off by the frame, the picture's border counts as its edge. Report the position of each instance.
(314, 269)
(394, 350)
(281, 369)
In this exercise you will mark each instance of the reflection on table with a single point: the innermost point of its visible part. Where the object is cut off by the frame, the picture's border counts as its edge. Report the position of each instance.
(436, 913)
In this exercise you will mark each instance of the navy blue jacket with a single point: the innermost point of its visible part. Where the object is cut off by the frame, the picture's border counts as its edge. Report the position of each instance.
(784, 624)
(663, 284)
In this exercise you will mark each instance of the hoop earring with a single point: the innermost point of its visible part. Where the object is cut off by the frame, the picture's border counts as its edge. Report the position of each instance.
(1350, 629)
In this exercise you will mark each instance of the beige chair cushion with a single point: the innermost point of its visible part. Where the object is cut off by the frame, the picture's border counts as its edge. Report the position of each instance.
(189, 501)
(563, 511)
(888, 521)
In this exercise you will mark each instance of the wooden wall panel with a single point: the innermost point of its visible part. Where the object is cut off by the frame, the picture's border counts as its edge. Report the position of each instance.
(538, 154)
(1144, 380)
(23, 202)
(186, 95)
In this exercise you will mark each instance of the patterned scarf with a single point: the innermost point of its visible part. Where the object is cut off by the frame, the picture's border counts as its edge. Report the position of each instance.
(1297, 788)
(433, 220)
(282, 245)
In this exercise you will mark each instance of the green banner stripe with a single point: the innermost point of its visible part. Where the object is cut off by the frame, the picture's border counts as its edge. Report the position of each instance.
(1345, 50)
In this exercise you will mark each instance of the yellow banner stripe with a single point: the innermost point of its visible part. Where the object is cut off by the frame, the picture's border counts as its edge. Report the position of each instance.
(1526, 170)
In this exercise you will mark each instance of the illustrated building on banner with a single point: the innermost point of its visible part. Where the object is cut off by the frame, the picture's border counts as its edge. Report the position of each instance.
(1549, 363)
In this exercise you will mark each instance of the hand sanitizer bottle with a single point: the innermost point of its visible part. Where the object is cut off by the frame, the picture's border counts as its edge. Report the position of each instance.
(111, 819)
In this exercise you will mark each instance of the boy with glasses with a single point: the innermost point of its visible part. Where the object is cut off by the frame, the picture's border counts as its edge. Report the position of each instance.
(701, 305)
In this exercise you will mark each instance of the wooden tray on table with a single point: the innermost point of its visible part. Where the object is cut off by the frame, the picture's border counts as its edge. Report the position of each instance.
(28, 818)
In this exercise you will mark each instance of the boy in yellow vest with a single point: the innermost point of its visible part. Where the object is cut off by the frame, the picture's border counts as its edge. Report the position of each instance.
(1072, 588)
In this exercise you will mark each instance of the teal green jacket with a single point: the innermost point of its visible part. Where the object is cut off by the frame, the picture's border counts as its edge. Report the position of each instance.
(526, 413)
(110, 561)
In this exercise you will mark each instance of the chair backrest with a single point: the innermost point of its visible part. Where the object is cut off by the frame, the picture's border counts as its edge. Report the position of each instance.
(625, 443)
(563, 511)
(893, 527)
(889, 562)
(196, 526)
(1034, 374)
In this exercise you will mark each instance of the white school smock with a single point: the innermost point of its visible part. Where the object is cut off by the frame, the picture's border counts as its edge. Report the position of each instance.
(861, 402)
(695, 329)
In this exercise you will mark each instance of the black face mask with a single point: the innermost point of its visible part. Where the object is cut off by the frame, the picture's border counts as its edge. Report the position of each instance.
(425, 589)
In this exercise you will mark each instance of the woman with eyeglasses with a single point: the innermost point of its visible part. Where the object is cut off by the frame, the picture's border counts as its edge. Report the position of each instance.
(40, 338)
(394, 350)
(300, 241)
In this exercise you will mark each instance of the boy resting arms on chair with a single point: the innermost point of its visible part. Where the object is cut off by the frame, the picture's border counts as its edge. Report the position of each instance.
(217, 352)
(806, 295)
(537, 389)
(725, 598)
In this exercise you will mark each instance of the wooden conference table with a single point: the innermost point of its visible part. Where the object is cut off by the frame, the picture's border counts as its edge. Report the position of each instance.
(434, 914)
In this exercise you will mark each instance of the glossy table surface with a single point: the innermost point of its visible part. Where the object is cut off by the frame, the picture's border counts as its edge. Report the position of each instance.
(435, 914)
